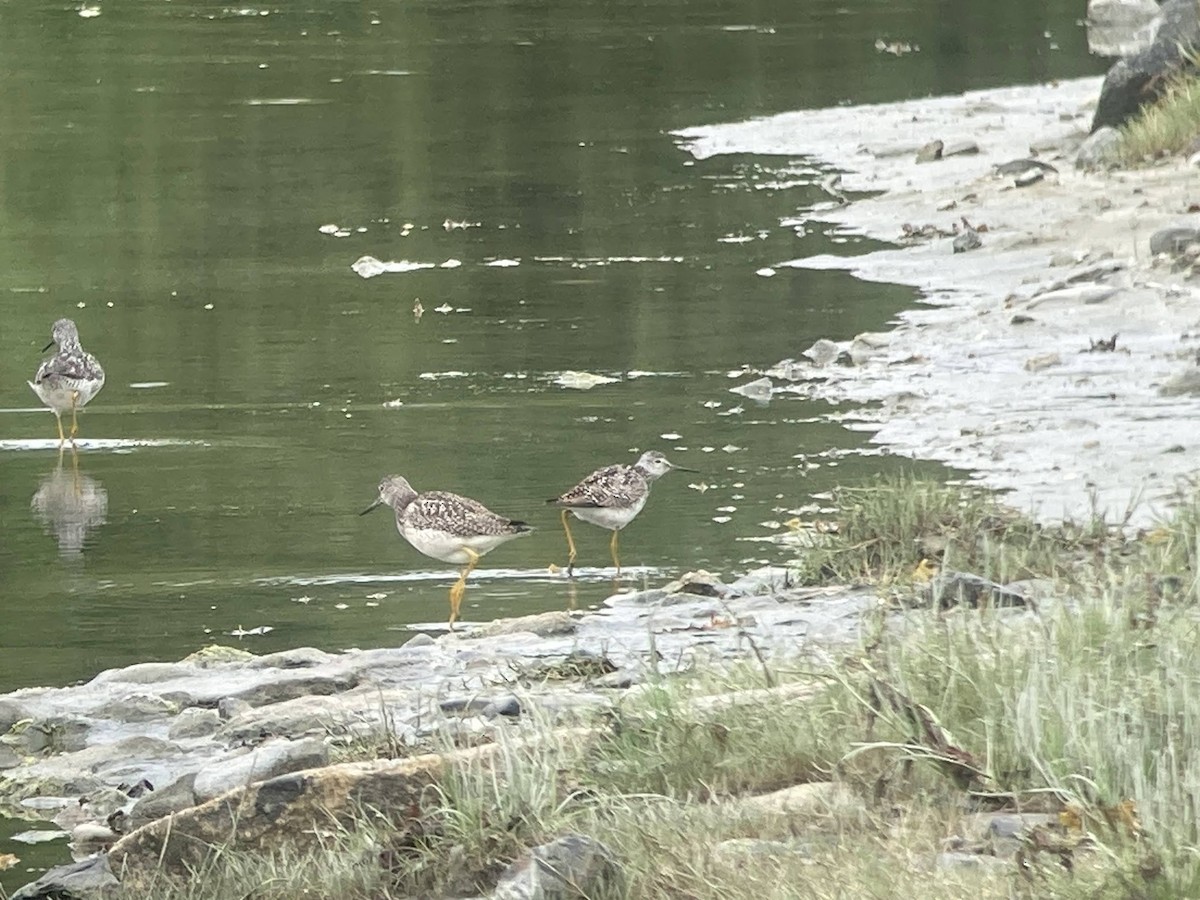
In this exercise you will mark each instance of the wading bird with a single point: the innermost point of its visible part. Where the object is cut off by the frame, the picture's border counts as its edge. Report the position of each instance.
(69, 379)
(446, 527)
(612, 497)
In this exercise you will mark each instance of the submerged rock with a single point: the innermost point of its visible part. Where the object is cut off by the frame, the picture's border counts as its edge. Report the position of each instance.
(823, 352)
(758, 390)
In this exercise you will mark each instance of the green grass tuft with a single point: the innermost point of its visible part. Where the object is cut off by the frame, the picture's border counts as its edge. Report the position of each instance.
(1167, 127)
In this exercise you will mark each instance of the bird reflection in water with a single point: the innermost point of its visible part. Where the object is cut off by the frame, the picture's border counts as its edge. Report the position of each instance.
(69, 504)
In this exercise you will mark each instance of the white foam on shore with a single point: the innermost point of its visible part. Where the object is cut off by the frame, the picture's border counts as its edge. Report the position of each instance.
(1022, 405)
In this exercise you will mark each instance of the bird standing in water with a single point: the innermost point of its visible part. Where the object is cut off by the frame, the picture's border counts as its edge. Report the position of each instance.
(69, 379)
(446, 527)
(612, 497)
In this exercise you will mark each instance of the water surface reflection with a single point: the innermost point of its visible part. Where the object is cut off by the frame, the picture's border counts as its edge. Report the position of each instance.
(69, 504)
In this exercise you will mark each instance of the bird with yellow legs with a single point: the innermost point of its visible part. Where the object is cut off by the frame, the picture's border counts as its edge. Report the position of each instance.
(446, 527)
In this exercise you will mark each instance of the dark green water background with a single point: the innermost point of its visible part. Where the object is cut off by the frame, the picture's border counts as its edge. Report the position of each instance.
(165, 172)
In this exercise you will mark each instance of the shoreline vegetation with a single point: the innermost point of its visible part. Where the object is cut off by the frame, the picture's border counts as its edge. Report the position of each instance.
(1169, 127)
(1043, 748)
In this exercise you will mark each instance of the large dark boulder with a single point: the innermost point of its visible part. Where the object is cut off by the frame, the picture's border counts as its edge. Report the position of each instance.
(1141, 78)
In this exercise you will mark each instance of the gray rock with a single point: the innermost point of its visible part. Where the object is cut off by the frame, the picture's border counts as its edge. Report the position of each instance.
(758, 390)
(950, 589)
(968, 240)
(1186, 382)
(823, 352)
(180, 794)
(488, 707)
(232, 707)
(1141, 78)
(619, 680)
(259, 764)
(137, 708)
(1174, 240)
(307, 716)
(11, 713)
(699, 584)
(789, 370)
(1017, 167)
(1118, 28)
(9, 758)
(508, 706)
(98, 804)
(140, 673)
(53, 735)
(296, 658)
(544, 624)
(574, 866)
(960, 148)
(764, 580)
(420, 640)
(931, 152)
(91, 837)
(289, 687)
(1102, 150)
(88, 879)
(194, 722)
(869, 344)
(1042, 361)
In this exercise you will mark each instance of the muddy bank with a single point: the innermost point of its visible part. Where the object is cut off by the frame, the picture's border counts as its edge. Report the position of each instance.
(999, 372)
(139, 742)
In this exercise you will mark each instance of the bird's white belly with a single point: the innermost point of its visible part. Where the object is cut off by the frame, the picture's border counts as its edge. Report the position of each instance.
(611, 518)
(60, 393)
(452, 548)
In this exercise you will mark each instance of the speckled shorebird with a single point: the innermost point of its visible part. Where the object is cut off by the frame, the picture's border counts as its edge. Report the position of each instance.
(612, 497)
(69, 379)
(446, 527)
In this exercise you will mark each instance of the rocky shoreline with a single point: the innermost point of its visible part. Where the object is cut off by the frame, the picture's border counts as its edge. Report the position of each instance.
(1054, 356)
(133, 744)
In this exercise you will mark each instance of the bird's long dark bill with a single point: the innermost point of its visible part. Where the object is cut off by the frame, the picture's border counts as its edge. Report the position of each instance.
(378, 502)
(48, 346)
(685, 469)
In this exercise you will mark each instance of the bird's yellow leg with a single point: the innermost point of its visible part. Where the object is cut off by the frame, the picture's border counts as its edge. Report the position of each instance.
(613, 547)
(62, 438)
(460, 587)
(570, 545)
(74, 420)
